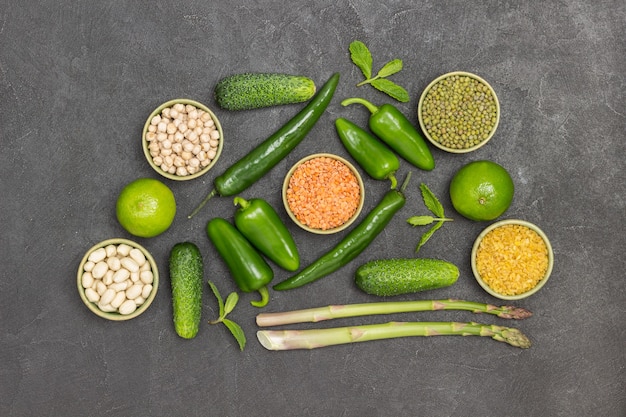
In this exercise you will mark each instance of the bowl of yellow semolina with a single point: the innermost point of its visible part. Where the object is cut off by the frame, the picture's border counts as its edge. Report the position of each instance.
(512, 259)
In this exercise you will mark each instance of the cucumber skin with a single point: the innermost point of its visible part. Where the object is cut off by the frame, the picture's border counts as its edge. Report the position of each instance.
(388, 277)
(257, 90)
(186, 275)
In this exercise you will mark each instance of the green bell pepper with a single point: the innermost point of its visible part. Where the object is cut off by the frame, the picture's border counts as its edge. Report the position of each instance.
(248, 268)
(370, 153)
(393, 128)
(257, 220)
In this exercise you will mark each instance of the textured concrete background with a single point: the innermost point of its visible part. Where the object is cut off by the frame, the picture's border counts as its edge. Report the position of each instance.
(77, 81)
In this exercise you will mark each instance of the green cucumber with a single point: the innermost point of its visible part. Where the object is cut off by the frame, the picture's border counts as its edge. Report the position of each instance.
(386, 277)
(256, 90)
(186, 275)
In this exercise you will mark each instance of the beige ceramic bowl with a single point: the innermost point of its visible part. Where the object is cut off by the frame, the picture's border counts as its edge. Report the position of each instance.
(115, 316)
(425, 94)
(539, 285)
(335, 229)
(145, 143)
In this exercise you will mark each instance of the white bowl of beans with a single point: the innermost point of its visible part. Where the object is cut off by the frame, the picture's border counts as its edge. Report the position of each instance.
(182, 139)
(117, 279)
(323, 193)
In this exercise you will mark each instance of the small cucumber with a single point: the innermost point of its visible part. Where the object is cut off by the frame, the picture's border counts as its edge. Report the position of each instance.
(186, 275)
(256, 90)
(386, 277)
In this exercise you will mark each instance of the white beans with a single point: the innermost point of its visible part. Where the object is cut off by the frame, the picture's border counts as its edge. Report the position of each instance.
(117, 278)
(135, 291)
(108, 296)
(127, 307)
(99, 270)
(174, 138)
(97, 255)
(87, 280)
(92, 295)
(121, 275)
(129, 264)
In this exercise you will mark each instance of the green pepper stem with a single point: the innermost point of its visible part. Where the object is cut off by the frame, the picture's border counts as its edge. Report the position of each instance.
(265, 298)
(206, 200)
(355, 100)
(394, 181)
(406, 182)
(242, 202)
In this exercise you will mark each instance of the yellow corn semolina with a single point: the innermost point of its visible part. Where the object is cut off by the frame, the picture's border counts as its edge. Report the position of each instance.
(512, 259)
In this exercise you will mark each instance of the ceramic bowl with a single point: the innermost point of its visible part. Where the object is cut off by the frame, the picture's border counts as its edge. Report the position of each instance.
(541, 282)
(93, 305)
(202, 169)
(334, 229)
(420, 112)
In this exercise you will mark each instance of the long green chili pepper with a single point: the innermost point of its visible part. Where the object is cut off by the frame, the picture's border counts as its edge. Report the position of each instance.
(270, 152)
(257, 220)
(248, 268)
(390, 125)
(353, 243)
(370, 153)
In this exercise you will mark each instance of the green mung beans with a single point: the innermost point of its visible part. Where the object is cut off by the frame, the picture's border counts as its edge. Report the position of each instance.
(459, 112)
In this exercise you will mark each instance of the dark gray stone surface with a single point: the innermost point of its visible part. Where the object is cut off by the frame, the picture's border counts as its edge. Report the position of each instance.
(77, 81)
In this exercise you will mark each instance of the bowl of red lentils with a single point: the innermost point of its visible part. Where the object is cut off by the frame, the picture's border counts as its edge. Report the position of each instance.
(117, 279)
(512, 259)
(182, 139)
(323, 193)
(458, 112)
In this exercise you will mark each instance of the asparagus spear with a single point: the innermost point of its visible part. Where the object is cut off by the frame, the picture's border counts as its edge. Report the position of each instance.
(316, 338)
(313, 315)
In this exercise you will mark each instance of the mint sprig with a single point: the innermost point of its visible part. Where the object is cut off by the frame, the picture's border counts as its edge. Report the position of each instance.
(226, 308)
(434, 205)
(362, 58)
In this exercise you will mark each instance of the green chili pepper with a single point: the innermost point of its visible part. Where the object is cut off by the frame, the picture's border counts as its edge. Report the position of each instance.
(257, 220)
(371, 154)
(248, 268)
(272, 150)
(390, 125)
(353, 243)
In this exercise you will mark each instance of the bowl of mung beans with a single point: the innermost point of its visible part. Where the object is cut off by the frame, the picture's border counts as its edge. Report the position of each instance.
(182, 139)
(512, 259)
(323, 193)
(117, 279)
(458, 112)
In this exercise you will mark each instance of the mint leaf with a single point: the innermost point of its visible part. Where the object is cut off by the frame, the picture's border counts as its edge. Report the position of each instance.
(391, 89)
(231, 302)
(390, 68)
(431, 202)
(427, 235)
(361, 57)
(237, 332)
(420, 220)
(225, 309)
(220, 301)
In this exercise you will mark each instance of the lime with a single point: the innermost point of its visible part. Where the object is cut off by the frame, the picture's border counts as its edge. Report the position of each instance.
(481, 190)
(146, 207)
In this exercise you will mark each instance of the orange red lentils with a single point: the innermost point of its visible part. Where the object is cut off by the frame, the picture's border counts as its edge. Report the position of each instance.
(512, 259)
(323, 193)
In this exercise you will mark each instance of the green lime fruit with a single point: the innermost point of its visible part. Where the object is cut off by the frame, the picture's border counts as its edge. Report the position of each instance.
(146, 207)
(481, 190)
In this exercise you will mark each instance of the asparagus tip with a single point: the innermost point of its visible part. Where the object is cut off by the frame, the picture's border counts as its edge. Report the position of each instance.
(516, 338)
(515, 313)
